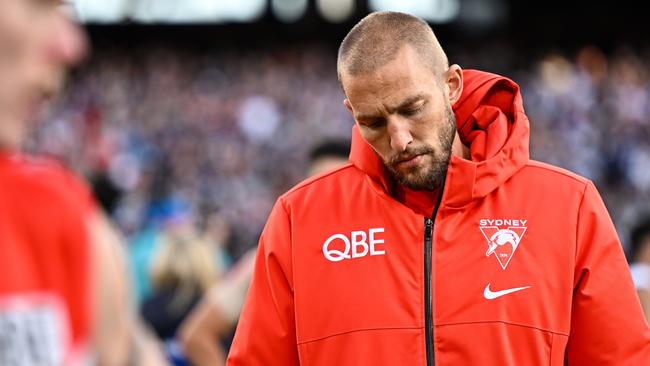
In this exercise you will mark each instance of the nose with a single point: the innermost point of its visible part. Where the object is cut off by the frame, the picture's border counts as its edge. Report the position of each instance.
(399, 134)
(68, 44)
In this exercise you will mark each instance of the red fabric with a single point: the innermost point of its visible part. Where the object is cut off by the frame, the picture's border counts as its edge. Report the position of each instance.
(577, 305)
(45, 245)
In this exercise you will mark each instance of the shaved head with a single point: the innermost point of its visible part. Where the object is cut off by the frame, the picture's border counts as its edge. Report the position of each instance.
(399, 88)
(378, 37)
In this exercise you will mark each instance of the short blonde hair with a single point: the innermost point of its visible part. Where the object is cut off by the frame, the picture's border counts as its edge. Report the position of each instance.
(183, 262)
(377, 38)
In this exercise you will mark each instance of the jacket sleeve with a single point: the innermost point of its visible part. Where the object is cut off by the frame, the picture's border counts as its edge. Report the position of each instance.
(266, 332)
(607, 324)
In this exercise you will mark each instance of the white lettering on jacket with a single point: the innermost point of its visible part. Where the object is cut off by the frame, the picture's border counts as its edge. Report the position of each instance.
(359, 244)
(502, 222)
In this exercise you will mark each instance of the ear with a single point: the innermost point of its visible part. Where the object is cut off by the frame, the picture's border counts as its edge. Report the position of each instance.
(348, 106)
(454, 82)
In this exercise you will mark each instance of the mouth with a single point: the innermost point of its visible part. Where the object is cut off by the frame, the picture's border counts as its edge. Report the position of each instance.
(410, 162)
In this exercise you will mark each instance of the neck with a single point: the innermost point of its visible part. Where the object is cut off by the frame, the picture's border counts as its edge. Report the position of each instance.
(459, 149)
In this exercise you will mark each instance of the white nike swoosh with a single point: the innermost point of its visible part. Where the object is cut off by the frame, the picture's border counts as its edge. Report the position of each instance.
(493, 295)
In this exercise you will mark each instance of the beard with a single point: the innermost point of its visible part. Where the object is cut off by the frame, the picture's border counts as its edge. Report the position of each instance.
(427, 177)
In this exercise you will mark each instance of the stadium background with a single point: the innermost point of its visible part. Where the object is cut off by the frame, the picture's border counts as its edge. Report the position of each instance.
(205, 114)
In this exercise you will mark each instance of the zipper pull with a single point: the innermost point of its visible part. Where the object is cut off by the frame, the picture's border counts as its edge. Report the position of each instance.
(428, 224)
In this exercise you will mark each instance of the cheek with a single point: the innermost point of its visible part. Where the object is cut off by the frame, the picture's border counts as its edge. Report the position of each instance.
(423, 129)
(10, 41)
(12, 74)
(431, 127)
(18, 41)
(376, 139)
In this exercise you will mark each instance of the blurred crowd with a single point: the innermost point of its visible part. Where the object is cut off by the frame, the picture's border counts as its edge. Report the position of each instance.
(589, 114)
(172, 132)
(193, 146)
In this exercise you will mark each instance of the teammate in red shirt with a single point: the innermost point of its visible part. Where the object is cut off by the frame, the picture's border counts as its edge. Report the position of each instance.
(63, 292)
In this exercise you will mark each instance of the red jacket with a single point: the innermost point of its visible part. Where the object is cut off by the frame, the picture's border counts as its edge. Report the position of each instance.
(519, 265)
(45, 264)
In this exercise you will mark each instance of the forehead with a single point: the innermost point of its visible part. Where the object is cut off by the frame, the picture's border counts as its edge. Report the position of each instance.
(398, 79)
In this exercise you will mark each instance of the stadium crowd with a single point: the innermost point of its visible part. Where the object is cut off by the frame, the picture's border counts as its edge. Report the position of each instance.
(195, 146)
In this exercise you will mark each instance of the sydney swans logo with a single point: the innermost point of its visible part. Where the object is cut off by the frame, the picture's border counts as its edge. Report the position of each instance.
(503, 237)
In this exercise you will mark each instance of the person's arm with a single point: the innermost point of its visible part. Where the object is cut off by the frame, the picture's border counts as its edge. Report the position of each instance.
(201, 333)
(266, 333)
(216, 314)
(607, 323)
(119, 338)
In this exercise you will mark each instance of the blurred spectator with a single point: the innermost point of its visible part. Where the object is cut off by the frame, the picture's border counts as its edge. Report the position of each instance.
(328, 154)
(217, 233)
(181, 271)
(147, 242)
(640, 262)
(207, 327)
(217, 314)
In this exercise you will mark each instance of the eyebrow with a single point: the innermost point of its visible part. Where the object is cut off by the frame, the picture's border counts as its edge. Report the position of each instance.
(407, 102)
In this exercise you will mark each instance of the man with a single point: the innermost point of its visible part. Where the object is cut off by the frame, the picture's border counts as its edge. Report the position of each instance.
(441, 242)
(218, 312)
(63, 291)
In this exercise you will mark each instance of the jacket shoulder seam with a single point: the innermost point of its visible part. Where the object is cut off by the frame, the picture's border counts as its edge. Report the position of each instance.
(557, 170)
(582, 200)
(314, 179)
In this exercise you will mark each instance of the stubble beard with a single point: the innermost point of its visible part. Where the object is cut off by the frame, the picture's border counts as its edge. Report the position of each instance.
(428, 177)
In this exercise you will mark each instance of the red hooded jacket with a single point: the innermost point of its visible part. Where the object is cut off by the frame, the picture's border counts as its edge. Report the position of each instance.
(519, 263)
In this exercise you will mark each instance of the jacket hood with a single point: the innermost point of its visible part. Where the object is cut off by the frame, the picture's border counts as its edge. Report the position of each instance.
(490, 121)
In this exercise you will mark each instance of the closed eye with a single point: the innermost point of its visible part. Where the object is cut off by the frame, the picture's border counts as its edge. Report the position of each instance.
(412, 111)
(372, 124)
